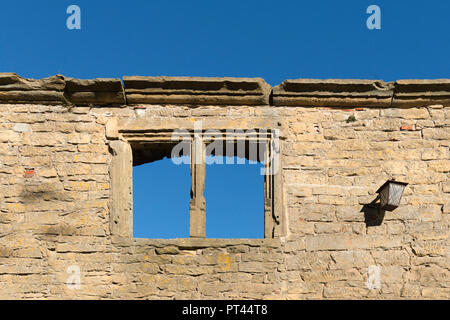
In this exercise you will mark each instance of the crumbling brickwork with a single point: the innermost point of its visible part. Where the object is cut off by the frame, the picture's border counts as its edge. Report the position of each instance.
(340, 141)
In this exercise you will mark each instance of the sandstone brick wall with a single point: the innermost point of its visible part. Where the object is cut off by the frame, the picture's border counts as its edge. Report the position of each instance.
(341, 140)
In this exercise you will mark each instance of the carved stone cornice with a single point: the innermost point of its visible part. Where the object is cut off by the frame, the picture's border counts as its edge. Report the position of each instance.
(196, 91)
(333, 93)
(193, 91)
(421, 92)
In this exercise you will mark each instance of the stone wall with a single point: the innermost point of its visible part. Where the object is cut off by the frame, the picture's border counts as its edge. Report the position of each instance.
(341, 140)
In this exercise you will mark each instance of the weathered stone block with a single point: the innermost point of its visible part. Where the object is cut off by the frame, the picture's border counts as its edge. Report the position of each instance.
(349, 242)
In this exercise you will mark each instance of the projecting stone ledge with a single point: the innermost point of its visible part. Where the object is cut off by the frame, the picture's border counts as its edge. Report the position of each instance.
(196, 90)
(367, 93)
(60, 90)
(421, 92)
(96, 91)
(15, 89)
(136, 90)
(333, 93)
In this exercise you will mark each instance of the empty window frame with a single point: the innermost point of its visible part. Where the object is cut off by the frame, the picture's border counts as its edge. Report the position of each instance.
(197, 145)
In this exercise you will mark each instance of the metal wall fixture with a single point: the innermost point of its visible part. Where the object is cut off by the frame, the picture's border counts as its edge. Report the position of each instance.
(390, 194)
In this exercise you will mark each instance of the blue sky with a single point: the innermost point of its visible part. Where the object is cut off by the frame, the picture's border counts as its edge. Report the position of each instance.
(234, 196)
(275, 40)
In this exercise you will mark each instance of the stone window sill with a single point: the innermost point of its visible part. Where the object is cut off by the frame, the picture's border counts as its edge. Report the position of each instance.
(197, 243)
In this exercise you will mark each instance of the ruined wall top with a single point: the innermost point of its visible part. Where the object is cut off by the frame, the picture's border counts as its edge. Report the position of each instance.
(223, 91)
